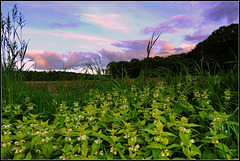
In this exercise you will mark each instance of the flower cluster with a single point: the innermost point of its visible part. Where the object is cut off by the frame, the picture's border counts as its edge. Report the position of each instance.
(134, 148)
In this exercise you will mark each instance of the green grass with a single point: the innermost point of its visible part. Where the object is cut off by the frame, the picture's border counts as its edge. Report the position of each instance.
(124, 120)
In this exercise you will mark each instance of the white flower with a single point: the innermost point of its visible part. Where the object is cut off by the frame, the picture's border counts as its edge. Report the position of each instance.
(134, 139)
(4, 145)
(98, 141)
(136, 147)
(75, 103)
(101, 153)
(131, 148)
(68, 139)
(30, 108)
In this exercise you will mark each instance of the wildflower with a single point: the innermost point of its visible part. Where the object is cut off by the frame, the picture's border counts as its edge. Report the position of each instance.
(101, 153)
(16, 112)
(191, 141)
(134, 139)
(133, 88)
(6, 126)
(4, 145)
(157, 138)
(227, 98)
(75, 103)
(54, 102)
(47, 139)
(98, 141)
(17, 107)
(131, 148)
(90, 118)
(62, 157)
(126, 135)
(55, 147)
(76, 109)
(82, 137)
(155, 95)
(184, 130)
(80, 117)
(215, 141)
(67, 119)
(136, 148)
(30, 108)
(16, 142)
(217, 119)
(164, 153)
(109, 97)
(167, 99)
(113, 150)
(68, 139)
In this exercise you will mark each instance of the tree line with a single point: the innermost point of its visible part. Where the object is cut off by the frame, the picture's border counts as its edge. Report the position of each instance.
(213, 54)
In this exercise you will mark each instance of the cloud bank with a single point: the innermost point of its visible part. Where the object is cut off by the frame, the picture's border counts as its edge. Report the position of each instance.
(50, 60)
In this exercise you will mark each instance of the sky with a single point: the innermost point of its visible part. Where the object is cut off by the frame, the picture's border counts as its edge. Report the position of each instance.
(69, 34)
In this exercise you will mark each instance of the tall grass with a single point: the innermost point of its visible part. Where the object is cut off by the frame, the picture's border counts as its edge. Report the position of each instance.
(13, 49)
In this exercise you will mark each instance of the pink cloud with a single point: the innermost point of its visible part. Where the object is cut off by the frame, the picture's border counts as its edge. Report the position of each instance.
(68, 35)
(49, 60)
(110, 21)
(195, 38)
(46, 59)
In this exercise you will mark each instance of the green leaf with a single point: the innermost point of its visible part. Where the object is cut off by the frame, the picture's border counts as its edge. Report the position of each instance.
(208, 155)
(151, 131)
(173, 146)
(84, 148)
(155, 145)
(120, 131)
(167, 134)
(19, 156)
(185, 138)
(35, 140)
(94, 148)
(61, 119)
(155, 153)
(186, 151)
(192, 125)
(47, 149)
(66, 148)
(119, 151)
(221, 136)
(4, 151)
(29, 155)
(223, 147)
(92, 157)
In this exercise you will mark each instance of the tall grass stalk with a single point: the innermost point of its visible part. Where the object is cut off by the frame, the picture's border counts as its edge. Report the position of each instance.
(13, 49)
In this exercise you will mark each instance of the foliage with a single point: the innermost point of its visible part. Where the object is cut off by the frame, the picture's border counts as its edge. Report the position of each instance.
(213, 54)
(157, 122)
(13, 50)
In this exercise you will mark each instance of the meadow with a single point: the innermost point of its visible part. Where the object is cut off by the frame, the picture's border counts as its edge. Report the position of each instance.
(179, 116)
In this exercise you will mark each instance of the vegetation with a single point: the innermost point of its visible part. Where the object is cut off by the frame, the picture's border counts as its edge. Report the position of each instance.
(189, 115)
(214, 54)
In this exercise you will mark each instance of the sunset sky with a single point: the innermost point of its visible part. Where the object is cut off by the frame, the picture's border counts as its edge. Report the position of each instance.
(67, 34)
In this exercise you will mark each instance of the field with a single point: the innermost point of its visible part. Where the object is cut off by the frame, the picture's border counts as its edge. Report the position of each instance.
(181, 117)
(174, 116)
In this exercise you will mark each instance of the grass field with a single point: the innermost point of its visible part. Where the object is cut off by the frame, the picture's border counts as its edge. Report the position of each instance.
(177, 116)
(173, 118)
